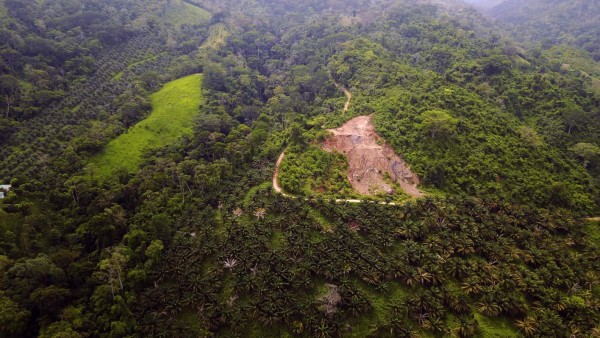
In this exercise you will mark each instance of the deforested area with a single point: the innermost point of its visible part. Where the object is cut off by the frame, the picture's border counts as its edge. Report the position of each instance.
(267, 168)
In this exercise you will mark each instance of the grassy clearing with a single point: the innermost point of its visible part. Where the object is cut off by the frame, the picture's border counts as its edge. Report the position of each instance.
(119, 75)
(172, 116)
(181, 13)
(324, 223)
(593, 230)
(381, 302)
(495, 327)
(577, 59)
(260, 331)
(277, 240)
(217, 35)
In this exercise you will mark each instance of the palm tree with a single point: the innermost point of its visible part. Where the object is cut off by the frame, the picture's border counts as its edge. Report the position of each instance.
(528, 326)
(437, 276)
(238, 212)
(424, 276)
(471, 285)
(260, 213)
(188, 299)
(467, 326)
(422, 319)
(195, 283)
(411, 277)
(488, 308)
(460, 304)
(573, 288)
(465, 247)
(591, 279)
(174, 306)
(230, 263)
(437, 325)
(557, 301)
(456, 267)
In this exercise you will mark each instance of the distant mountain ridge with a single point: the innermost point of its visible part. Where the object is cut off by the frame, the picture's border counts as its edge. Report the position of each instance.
(484, 4)
(564, 21)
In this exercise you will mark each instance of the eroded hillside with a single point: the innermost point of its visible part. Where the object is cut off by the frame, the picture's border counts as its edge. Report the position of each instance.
(373, 165)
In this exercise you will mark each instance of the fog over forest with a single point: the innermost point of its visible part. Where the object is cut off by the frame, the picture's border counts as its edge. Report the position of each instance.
(484, 3)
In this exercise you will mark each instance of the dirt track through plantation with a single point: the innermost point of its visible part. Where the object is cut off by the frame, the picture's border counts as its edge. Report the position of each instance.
(346, 92)
(276, 175)
(372, 162)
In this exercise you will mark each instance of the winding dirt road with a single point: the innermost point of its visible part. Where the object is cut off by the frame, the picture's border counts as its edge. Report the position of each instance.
(276, 175)
(407, 185)
(346, 92)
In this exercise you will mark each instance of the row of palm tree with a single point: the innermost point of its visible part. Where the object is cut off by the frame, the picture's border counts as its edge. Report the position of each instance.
(453, 267)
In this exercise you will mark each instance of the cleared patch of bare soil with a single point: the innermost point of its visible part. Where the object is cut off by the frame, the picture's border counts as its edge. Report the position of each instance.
(370, 159)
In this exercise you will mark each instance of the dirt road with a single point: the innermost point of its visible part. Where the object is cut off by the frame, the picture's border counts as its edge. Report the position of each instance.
(276, 175)
(276, 186)
(370, 159)
(346, 92)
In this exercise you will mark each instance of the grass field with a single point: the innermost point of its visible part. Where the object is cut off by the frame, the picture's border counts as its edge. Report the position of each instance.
(172, 116)
(593, 230)
(495, 327)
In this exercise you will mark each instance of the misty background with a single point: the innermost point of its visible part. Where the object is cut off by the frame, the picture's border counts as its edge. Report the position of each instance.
(485, 4)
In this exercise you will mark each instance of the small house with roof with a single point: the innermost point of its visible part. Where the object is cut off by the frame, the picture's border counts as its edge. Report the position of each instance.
(4, 188)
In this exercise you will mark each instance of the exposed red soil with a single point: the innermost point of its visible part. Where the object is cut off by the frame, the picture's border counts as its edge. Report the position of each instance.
(370, 159)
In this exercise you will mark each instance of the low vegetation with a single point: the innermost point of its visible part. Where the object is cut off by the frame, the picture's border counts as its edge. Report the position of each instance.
(173, 110)
(313, 171)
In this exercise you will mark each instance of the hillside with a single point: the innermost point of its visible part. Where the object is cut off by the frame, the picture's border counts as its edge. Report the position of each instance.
(192, 239)
(173, 110)
(569, 22)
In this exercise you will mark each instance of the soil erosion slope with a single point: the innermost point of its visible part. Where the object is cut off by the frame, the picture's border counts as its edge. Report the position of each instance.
(370, 159)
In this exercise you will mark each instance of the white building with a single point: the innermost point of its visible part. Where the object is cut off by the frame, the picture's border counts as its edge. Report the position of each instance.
(3, 188)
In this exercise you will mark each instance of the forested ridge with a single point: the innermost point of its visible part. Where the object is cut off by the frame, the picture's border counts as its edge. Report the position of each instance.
(192, 240)
(549, 22)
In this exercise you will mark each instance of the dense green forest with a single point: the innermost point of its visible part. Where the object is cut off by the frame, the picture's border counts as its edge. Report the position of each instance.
(139, 140)
(551, 22)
